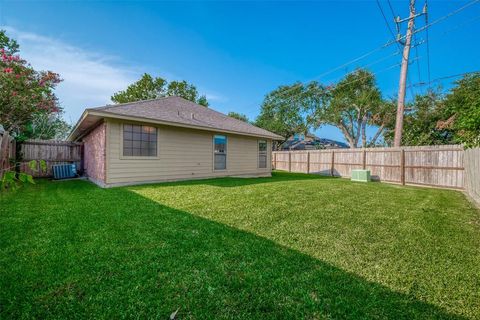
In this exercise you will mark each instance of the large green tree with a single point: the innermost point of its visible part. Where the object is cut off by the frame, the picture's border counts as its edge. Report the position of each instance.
(435, 118)
(355, 103)
(149, 87)
(352, 105)
(421, 122)
(462, 105)
(286, 109)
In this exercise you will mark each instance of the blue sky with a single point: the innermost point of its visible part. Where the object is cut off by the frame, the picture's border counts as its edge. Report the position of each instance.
(234, 52)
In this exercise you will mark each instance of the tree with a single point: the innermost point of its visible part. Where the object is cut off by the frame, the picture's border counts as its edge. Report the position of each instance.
(24, 92)
(285, 110)
(149, 87)
(353, 104)
(9, 45)
(144, 89)
(435, 118)
(420, 124)
(46, 127)
(462, 106)
(239, 116)
(182, 89)
(203, 101)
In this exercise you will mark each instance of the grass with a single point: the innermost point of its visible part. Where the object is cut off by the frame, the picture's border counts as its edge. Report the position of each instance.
(287, 247)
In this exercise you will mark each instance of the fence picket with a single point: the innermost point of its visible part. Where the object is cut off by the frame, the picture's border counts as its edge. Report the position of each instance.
(52, 152)
(438, 166)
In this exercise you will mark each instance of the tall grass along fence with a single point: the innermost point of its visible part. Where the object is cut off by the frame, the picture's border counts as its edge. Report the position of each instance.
(7, 152)
(447, 166)
(52, 152)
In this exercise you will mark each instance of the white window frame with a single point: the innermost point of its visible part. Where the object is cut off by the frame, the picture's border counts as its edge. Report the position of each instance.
(225, 153)
(259, 152)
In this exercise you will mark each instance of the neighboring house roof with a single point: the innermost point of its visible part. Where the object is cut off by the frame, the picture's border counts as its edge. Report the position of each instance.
(311, 142)
(174, 111)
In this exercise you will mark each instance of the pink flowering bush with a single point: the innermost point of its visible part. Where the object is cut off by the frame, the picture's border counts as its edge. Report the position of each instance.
(24, 92)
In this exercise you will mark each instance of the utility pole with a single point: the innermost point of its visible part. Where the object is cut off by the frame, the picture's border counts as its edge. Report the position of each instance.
(404, 70)
(397, 141)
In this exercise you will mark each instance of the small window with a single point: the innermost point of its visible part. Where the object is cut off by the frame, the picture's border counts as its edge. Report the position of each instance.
(262, 154)
(139, 141)
(220, 152)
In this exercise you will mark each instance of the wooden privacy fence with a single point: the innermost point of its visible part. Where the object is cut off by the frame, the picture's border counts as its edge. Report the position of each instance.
(7, 152)
(472, 173)
(53, 152)
(436, 166)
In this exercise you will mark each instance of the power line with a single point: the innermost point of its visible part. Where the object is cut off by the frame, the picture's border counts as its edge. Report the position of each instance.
(296, 86)
(418, 63)
(385, 19)
(419, 84)
(391, 9)
(454, 12)
(396, 53)
(460, 25)
(353, 61)
(428, 41)
(387, 44)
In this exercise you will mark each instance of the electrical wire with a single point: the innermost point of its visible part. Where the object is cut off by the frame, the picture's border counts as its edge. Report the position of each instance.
(385, 19)
(428, 41)
(460, 25)
(419, 84)
(418, 63)
(387, 44)
(454, 12)
(391, 9)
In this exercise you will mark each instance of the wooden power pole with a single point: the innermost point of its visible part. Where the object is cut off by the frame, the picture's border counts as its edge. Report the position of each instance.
(403, 74)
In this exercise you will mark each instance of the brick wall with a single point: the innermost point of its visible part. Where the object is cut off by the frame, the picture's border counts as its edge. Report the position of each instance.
(94, 154)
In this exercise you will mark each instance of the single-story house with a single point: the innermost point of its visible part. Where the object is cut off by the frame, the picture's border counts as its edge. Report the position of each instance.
(169, 139)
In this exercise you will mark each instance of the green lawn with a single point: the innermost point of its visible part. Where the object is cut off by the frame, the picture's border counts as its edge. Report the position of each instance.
(291, 246)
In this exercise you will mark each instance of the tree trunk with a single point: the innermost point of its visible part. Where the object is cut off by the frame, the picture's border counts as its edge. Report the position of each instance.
(348, 136)
(377, 134)
(364, 132)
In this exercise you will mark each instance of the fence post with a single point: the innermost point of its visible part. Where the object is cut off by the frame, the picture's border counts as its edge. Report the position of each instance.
(289, 161)
(402, 166)
(364, 158)
(4, 151)
(332, 168)
(274, 160)
(308, 162)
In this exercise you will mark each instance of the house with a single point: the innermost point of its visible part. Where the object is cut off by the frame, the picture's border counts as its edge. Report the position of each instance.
(169, 139)
(300, 141)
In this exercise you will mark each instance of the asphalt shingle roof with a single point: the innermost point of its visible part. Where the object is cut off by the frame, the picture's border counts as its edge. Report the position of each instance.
(184, 112)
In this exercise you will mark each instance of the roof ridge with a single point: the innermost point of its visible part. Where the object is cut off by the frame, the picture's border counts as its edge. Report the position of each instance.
(133, 102)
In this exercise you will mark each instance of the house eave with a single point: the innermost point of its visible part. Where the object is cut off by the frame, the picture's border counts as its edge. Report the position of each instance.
(74, 135)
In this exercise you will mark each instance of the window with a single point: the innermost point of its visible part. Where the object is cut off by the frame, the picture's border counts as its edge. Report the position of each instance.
(262, 154)
(139, 141)
(220, 152)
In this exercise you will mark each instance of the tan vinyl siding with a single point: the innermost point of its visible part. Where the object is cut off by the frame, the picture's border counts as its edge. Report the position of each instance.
(182, 154)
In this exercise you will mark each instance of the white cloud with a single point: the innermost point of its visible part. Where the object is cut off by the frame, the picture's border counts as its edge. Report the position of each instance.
(89, 78)
(213, 97)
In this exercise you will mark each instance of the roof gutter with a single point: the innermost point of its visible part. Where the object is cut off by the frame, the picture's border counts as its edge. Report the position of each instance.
(82, 117)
